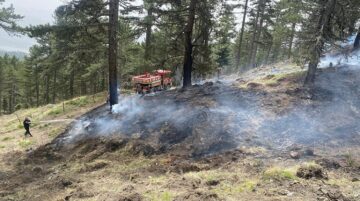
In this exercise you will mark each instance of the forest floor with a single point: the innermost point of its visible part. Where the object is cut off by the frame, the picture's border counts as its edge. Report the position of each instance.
(259, 136)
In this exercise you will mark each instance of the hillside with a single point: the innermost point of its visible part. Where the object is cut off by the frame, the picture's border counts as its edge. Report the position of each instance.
(47, 123)
(17, 54)
(260, 136)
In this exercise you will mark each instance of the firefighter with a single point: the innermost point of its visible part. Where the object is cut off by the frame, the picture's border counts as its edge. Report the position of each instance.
(27, 123)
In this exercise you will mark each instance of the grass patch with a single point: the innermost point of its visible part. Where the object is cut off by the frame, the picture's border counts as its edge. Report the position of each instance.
(134, 165)
(350, 160)
(138, 164)
(5, 139)
(79, 102)
(311, 164)
(209, 175)
(55, 111)
(226, 189)
(276, 79)
(25, 143)
(54, 132)
(2, 146)
(277, 173)
(339, 182)
(157, 180)
(159, 196)
(44, 126)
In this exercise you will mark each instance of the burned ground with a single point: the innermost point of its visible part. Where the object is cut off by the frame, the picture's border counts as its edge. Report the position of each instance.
(269, 140)
(216, 117)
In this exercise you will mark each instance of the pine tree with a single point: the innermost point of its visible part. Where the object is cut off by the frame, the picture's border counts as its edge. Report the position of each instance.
(8, 18)
(241, 36)
(325, 25)
(224, 34)
(188, 55)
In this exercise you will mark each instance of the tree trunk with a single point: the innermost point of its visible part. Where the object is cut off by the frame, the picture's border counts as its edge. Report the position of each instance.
(188, 60)
(113, 49)
(261, 7)
(47, 91)
(1, 90)
(291, 39)
(54, 87)
(238, 51)
(357, 40)
(103, 80)
(10, 105)
(323, 25)
(149, 25)
(83, 87)
(311, 73)
(258, 35)
(253, 39)
(37, 88)
(71, 84)
(268, 54)
(1, 100)
(12, 98)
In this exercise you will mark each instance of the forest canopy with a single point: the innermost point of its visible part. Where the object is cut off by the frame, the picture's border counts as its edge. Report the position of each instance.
(191, 38)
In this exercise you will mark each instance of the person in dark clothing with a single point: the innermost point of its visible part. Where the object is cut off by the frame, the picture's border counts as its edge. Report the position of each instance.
(27, 123)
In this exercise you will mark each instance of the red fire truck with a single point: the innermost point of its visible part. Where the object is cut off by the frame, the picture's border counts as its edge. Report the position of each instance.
(152, 82)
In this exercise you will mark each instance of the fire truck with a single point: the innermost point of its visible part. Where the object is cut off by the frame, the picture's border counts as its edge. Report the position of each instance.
(152, 82)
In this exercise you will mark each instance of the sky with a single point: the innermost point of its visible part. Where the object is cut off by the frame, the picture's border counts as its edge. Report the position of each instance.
(35, 12)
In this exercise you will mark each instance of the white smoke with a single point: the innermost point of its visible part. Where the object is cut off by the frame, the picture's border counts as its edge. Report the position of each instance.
(347, 57)
(221, 114)
(129, 105)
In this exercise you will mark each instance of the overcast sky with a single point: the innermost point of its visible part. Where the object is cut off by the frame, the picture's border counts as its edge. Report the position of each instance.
(35, 12)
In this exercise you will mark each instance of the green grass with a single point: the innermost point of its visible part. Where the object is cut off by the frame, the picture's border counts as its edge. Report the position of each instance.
(25, 143)
(2, 146)
(277, 173)
(55, 111)
(226, 189)
(80, 102)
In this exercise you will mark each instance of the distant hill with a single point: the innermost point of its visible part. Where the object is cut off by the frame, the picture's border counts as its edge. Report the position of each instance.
(18, 54)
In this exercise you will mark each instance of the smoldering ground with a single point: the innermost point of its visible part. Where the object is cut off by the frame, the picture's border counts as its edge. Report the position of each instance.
(212, 118)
